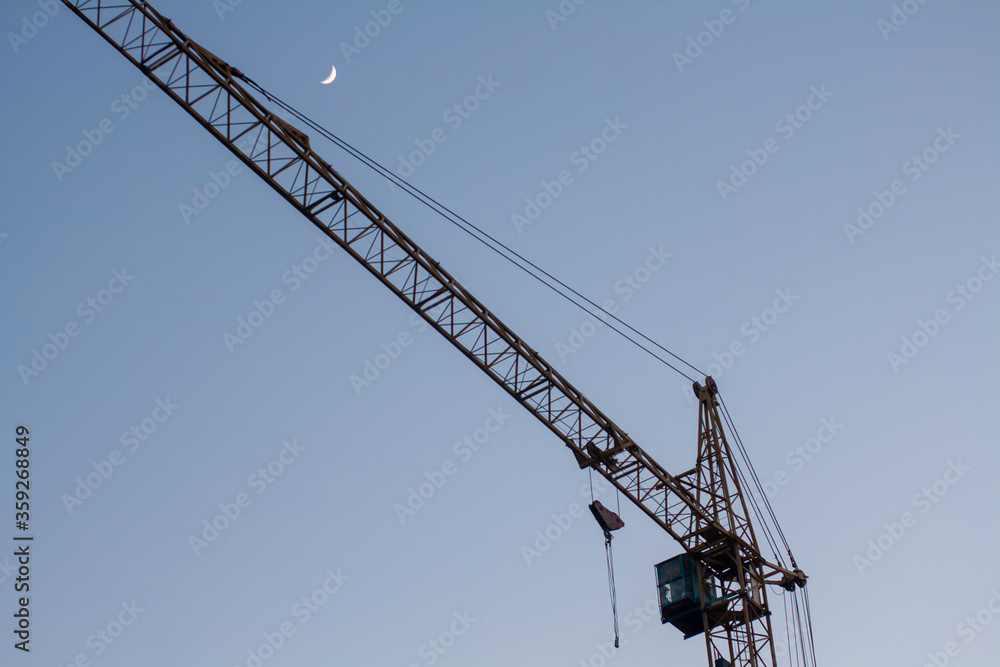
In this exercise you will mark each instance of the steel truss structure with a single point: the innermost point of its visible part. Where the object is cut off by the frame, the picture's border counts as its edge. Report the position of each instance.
(703, 509)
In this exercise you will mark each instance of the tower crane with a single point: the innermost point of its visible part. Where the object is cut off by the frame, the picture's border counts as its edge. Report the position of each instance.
(718, 586)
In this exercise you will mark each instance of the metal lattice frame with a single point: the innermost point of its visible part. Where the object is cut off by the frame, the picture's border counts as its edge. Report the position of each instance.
(738, 628)
(208, 88)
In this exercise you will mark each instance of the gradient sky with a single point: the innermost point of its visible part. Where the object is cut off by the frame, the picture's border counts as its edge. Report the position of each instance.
(880, 98)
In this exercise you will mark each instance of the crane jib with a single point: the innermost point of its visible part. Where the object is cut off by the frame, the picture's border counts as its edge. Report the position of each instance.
(703, 508)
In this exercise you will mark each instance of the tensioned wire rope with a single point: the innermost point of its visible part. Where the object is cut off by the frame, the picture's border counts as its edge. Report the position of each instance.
(486, 239)
(525, 265)
(766, 517)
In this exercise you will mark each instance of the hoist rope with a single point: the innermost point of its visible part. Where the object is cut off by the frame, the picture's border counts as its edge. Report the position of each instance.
(610, 560)
(789, 634)
(812, 644)
(611, 581)
(800, 639)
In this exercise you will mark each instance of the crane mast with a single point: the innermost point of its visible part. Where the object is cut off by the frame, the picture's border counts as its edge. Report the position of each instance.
(703, 509)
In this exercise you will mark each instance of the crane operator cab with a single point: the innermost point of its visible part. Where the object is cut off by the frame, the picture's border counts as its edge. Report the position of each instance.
(680, 594)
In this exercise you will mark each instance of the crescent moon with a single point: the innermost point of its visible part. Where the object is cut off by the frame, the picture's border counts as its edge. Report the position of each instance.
(333, 75)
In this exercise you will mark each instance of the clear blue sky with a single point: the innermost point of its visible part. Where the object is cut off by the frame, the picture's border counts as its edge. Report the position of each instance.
(746, 159)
